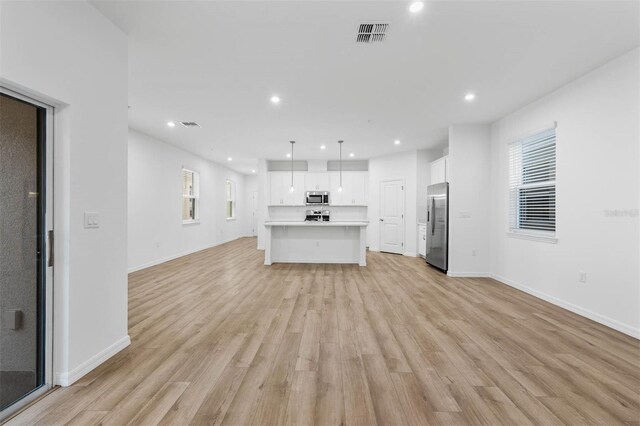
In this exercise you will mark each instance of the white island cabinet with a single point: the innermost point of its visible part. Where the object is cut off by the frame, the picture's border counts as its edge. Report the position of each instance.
(315, 242)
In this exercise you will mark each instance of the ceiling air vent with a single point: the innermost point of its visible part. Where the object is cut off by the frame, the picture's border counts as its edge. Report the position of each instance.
(191, 124)
(372, 32)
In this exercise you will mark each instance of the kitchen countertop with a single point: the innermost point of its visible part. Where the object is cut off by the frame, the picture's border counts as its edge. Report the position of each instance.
(313, 223)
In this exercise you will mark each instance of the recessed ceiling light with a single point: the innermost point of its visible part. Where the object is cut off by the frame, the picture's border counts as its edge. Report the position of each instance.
(416, 7)
(275, 99)
(171, 124)
(323, 147)
(351, 155)
(396, 142)
(253, 171)
(229, 158)
(469, 97)
(288, 155)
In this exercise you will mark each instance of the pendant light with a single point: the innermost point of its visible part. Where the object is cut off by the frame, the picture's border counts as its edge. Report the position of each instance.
(292, 188)
(340, 144)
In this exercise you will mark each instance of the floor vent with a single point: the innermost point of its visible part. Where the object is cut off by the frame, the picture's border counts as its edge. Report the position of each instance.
(190, 124)
(372, 32)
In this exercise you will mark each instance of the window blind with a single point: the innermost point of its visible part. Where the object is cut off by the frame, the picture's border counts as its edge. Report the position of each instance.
(231, 199)
(190, 195)
(532, 183)
(188, 184)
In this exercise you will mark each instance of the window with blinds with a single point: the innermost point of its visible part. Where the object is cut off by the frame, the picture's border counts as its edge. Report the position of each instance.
(190, 196)
(532, 184)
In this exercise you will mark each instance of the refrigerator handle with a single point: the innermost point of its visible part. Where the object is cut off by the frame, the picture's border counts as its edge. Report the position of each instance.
(433, 222)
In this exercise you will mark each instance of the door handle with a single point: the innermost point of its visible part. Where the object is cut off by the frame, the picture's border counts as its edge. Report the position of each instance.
(381, 220)
(50, 261)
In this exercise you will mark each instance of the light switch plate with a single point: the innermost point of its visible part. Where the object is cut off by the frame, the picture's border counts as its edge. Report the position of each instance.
(11, 319)
(91, 220)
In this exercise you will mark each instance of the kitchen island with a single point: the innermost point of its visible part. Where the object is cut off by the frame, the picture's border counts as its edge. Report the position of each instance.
(316, 242)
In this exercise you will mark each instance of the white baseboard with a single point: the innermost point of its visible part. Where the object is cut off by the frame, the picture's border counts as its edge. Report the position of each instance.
(601, 319)
(176, 256)
(70, 377)
(334, 261)
(468, 274)
(377, 250)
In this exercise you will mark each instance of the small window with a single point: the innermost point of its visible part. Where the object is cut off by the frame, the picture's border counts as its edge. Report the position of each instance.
(190, 196)
(532, 185)
(230, 189)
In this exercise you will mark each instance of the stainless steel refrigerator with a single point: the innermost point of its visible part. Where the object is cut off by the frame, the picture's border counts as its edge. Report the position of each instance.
(438, 225)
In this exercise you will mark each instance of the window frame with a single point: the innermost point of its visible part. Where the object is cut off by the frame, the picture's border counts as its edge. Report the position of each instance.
(549, 236)
(230, 197)
(195, 197)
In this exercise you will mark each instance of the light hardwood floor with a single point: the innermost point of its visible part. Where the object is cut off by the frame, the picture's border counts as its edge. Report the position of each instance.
(219, 338)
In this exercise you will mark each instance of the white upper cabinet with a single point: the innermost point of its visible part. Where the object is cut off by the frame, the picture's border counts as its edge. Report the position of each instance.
(276, 193)
(359, 188)
(335, 196)
(440, 170)
(354, 189)
(280, 193)
(316, 181)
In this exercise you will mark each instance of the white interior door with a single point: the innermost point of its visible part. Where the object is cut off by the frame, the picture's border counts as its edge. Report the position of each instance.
(392, 216)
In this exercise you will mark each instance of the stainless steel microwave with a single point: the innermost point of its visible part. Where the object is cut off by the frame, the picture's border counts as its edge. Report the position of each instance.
(316, 198)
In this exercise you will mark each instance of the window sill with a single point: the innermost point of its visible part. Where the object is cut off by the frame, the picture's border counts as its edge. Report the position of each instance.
(191, 222)
(551, 239)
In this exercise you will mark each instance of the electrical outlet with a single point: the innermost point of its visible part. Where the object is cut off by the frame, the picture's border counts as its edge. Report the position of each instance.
(157, 243)
(473, 252)
(91, 220)
(582, 276)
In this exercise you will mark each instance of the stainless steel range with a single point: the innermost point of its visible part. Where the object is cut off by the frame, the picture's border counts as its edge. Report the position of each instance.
(317, 215)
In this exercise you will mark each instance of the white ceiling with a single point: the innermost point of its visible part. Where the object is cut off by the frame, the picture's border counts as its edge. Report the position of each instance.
(218, 63)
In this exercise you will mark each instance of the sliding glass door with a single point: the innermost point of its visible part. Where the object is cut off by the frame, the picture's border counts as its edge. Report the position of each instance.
(23, 254)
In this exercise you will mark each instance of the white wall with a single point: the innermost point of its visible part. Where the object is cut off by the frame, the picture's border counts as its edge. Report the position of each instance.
(251, 187)
(70, 55)
(469, 177)
(423, 180)
(598, 169)
(156, 231)
(398, 166)
(263, 191)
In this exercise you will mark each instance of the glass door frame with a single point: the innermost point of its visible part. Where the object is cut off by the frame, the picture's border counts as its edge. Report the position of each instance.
(46, 290)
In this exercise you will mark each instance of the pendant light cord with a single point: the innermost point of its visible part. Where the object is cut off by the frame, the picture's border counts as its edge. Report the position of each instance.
(340, 143)
(292, 142)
